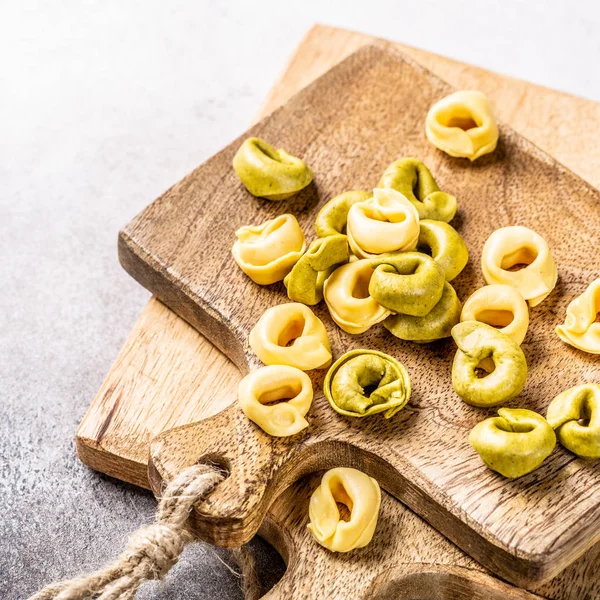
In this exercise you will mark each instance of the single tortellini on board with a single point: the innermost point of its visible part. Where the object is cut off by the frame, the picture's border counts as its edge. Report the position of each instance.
(367, 382)
(462, 125)
(435, 325)
(520, 257)
(361, 496)
(581, 328)
(575, 416)
(269, 173)
(333, 217)
(477, 342)
(409, 283)
(445, 245)
(267, 252)
(414, 181)
(515, 442)
(500, 306)
(346, 293)
(387, 222)
(305, 281)
(291, 334)
(260, 389)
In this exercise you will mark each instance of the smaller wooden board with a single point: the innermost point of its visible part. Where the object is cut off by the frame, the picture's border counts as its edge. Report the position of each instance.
(526, 531)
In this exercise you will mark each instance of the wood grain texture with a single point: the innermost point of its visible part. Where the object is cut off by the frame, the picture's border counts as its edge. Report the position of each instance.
(113, 439)
(349, 126)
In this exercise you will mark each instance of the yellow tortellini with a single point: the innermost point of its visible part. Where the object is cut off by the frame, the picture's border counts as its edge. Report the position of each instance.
(269, 173)
(477, 342)
(258, 390)
(581, 328)
(436, 324)
(414, 181)
(366, 382)
(515, 442)
(409, 283)
(291, 334)
(510, 248)
(267, 252)
(444, 244)
(333, 217)
(387, 222)
(500, 306)
(346, 294)
(575, 415)
(360, 494)
(462, 125)
(305, 281)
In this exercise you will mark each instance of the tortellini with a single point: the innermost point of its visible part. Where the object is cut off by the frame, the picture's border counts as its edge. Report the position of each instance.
(333, 217)
(305, 281)
(462, 125)
(514, 443)
(444, 244)
(267, 252)
(436, 324)
(581, 328)
(366, 382)
(269, 173)
(500, 306)
(258, 390)
(477, 342)
(291, 334)
(414, 181)
(409, 283)
(508, 249)
(360, 494)
(387, 222)
(346, 294)
(575, 415)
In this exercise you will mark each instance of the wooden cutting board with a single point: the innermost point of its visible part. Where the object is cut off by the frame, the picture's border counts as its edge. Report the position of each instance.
(167, 374)
(349, 126)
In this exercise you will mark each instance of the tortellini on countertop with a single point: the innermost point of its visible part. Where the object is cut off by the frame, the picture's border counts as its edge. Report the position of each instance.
(291, 334)
(575, 416)
(510, 248)
(333, 217)
(367, 382)
(477, 342)
(515, 442)
(267, 252)
(414, 181)
(462, 125)
(581, 328)
(445, 245)
(259, 390)
(362, 497)
(270, 173)
(346, 294)
(387, 222)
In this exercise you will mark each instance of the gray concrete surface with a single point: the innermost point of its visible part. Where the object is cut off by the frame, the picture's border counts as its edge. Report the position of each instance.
(103, 105)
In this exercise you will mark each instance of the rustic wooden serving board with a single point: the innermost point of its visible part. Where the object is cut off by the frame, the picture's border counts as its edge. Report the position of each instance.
(168, 374)
(349, 125)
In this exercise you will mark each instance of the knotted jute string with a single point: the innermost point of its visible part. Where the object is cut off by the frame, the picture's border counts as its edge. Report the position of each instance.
(153, 550)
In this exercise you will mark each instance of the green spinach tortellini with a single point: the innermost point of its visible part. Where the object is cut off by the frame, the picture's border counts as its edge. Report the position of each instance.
(414, 180)
(333, 217)
(444, 244)
(476, 343)
(350, 378)
(269, 173)
(305, 281)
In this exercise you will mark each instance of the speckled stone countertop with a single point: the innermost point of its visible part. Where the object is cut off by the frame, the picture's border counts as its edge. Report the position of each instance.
(103, 106)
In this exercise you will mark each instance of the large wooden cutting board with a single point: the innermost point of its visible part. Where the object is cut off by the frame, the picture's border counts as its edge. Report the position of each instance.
(349, 125)
(167, 374)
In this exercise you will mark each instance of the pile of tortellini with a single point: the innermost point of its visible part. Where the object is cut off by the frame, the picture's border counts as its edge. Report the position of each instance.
(389, 256)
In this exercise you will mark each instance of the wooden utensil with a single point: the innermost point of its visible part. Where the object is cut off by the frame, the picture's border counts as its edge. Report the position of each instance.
(167, 374)
(349, 126)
